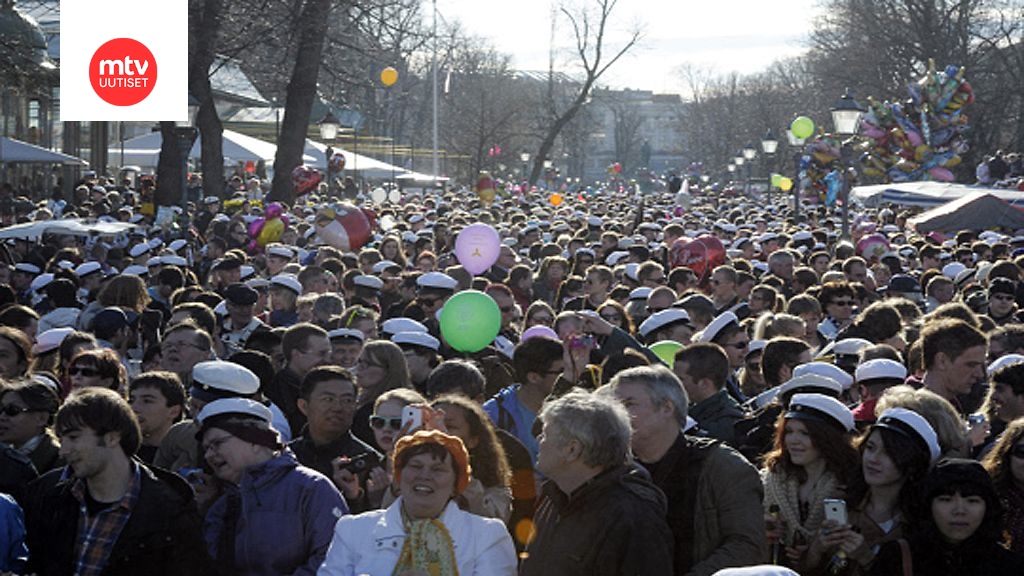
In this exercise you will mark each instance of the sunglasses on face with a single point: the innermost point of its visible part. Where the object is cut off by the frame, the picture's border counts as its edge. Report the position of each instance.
(83, 370)
(11, 410)
(379, 422)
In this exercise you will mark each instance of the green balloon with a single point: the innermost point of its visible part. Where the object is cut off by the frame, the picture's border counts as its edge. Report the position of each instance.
(802, 127)
(470, 320)
(666, 350)
(776, 179)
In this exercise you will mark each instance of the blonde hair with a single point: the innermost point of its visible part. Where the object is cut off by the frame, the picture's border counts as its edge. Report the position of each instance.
(936, 410)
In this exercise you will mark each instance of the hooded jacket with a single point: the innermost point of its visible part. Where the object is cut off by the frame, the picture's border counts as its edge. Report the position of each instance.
(286, 518)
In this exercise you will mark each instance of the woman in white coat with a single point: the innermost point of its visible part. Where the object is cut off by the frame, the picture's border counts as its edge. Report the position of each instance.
(423, 531)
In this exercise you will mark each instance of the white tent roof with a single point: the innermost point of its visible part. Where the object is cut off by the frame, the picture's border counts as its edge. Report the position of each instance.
(70, 226)
(12, 150)
(365, 165)
(926, 194)
(420, 177)
(237, 147)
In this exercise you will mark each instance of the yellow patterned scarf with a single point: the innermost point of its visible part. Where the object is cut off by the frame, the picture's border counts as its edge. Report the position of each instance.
(428, 547)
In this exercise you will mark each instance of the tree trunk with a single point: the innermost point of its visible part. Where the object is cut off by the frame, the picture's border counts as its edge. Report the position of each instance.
(205, 23)
(556, 128)
(299, 100)
(168, 170)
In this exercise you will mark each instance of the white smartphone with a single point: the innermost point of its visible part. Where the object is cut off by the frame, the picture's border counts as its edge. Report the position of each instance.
(413, 416)
(836, 510)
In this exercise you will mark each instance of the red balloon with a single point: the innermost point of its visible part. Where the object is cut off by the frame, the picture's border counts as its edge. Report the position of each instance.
(701, 254)
(305, 179)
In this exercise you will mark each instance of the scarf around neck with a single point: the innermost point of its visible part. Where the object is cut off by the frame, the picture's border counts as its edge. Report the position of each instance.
(428, 546)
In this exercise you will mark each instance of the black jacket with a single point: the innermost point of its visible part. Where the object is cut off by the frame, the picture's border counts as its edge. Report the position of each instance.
(163, 536)
(612, 525)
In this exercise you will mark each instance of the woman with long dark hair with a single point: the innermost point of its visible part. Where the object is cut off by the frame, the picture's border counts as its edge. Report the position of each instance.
(813, 459)
(1005, 464)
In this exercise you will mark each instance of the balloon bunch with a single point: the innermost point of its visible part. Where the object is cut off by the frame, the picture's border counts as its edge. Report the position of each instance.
(819, 168)
(922, 137)
(485, 188)
(267, 228)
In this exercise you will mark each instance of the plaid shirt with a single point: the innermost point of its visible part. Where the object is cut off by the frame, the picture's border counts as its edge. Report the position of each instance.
(98, 534)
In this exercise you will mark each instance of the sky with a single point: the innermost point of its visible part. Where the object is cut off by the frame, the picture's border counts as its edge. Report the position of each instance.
(726, 35)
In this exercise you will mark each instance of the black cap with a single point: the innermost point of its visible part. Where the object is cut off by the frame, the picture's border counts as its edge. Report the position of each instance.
(241, 294)
(227, 263)
(110, 319)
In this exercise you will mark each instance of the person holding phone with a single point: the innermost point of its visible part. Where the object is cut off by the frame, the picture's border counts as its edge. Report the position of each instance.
(813, 459)
(896, 454)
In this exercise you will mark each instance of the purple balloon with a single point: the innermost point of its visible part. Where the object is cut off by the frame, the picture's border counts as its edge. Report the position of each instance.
(538, 330)
(477, 247)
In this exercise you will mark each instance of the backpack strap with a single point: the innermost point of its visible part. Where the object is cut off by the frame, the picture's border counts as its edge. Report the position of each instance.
(908, 559)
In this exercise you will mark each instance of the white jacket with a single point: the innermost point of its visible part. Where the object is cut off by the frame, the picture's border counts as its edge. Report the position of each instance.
(370, 543)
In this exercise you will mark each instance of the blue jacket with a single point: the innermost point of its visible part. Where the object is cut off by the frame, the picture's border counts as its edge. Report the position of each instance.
(13, 552)
(511, 415)
(286, 522)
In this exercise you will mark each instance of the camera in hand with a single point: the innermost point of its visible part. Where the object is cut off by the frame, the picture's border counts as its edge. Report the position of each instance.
(361, 463)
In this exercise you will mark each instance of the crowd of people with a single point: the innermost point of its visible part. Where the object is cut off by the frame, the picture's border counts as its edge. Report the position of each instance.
(779, 402)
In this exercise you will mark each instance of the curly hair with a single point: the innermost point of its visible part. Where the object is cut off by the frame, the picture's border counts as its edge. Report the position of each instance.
(997, 461)
(487, 458)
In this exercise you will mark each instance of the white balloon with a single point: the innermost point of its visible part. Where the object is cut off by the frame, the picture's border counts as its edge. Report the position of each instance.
(395, 195)
(379, 195)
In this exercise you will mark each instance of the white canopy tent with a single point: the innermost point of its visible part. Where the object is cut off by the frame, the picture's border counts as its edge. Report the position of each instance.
(16, 151)
(366, 166)
(927, 194)
(144, 150)
(69, 226)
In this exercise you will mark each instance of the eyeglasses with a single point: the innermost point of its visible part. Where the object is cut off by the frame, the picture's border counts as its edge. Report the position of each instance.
(11, 410)
(379, 422)
(1017, 451)
(215, 444)
(842, 302)
(84, 371)
(430, 302)
(543, 319)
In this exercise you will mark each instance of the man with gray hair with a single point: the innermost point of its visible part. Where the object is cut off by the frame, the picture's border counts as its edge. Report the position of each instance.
(599, 513)
(714, 495)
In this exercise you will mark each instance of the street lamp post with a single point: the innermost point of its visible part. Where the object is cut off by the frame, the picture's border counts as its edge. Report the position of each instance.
(749, 153)
(768, 145)
(388, 77)
(846, 116)
(185, 133)
(328, 132)
(796, 144)
(524, 157)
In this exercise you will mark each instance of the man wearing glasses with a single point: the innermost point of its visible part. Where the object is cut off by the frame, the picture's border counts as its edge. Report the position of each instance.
(328, 399)
(185, 344)
(724, 294)
(433, 289)
(598, 284)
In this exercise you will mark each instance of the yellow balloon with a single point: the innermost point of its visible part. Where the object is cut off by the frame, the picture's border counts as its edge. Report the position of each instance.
(555, 199)
(785, 184)
(389, 76)
(487, 195)
(271, 232)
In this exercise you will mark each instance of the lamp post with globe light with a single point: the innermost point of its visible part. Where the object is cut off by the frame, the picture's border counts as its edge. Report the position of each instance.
(749, 153)
(796, 144)
(846, 116)
(768, 145)
(328, 132)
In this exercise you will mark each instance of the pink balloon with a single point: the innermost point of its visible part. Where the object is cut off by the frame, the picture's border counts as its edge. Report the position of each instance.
(539, 330)
(941, 174)
(477, 247)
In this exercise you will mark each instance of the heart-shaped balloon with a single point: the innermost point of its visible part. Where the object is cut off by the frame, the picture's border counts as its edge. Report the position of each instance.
(872, 247)
(701, 254)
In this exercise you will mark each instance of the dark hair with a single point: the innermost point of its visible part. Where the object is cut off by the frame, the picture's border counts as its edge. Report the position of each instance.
(258, 363)
(191, 325)
(107, 363)
(202, 314)
(950, 337)
(876, 323)
(832, 290)
(297, 337)
(22, 345)
(62, 293)
(705, 360)
(997, 461)
(967, 478)
(835, 447)
(615, 363)
(909, 457)
(101, 411)
(172, 277)
(264, 340)
(322, 374)
(18, 316)
(487, 458)
(35, 395)
(535, 355)
(456, 377)
(778, 352)
(167, 383)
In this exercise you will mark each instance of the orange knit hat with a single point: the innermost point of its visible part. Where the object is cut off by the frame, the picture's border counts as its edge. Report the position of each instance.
(452, 444)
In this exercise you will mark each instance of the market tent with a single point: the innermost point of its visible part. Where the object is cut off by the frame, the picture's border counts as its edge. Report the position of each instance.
(69, 226)
(12, 150)
(420, 177)
(977, 211)
(366, 166)
(926, 194)
(144, 150)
